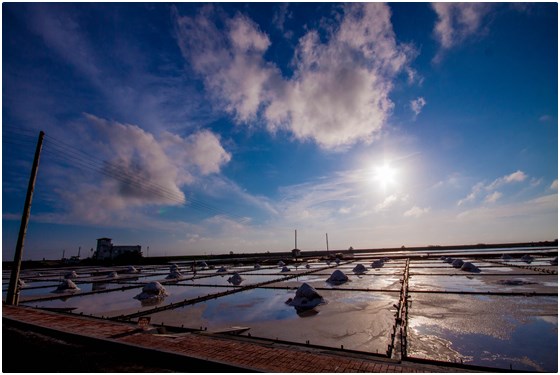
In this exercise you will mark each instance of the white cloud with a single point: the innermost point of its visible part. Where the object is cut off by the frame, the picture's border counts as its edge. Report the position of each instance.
(472, 195)
(339, 91)
(545, 118)
(493, 197)
(416, 211)
(458, 21)
(137, 170)
(518, 176)
(417, 104)
(387, 202)
(554, 185)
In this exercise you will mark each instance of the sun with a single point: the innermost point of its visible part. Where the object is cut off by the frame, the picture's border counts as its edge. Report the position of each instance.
(385, 176)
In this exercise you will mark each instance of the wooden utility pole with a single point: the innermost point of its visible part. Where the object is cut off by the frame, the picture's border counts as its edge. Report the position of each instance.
(327, 237)
(12, 297)
(295, 239)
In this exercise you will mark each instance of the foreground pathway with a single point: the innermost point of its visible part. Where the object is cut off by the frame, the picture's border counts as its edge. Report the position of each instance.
(235, 353)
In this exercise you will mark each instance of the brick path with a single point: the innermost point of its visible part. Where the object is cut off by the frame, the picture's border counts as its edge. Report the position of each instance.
(234, 352)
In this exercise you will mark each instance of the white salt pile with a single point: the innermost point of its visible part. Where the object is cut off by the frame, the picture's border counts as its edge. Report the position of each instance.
(385, 259)
(527, 258)
(66, 285)
(235, 279)
(20, 284)
(203, 264)
(442, 257)
(175, 274)
(307, 266)
(506, 257)
(554, 261)
(285, 269)
(377, 263)
(131, 269)
(152, 291)
(306, 298)
(257, 266)
(222, 269)
(449, 260)
(337, 261)
(71, 275)
(469, 267)
(113, 275)
(281, 264)
(360, 268)
(457, 263)
(337, 277)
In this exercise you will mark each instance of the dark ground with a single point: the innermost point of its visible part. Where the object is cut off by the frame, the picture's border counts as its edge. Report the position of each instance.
(25, 351)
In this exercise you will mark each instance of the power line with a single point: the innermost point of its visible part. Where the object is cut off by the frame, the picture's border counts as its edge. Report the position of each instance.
(69, 154)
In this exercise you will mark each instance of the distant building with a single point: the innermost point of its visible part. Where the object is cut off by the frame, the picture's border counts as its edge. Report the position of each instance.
(296, 253)
(106, 249)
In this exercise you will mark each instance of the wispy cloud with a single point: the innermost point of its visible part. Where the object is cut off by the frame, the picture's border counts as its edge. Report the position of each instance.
(417, 105)
(416, 211)
(458, 21)
(339, 92)
(554, 185)
(517, 176)
(493, 197)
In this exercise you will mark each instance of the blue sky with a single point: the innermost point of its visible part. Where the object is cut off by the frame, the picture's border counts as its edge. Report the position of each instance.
(204, 128)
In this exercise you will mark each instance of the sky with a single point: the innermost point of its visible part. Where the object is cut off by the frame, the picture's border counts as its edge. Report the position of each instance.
(205, 128)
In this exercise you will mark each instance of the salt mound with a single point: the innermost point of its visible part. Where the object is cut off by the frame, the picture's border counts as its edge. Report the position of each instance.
(307, 266)
(306, 298)
(554, 261)
(222, 269)
(173, 267)
(468, 266)
(527, 258)
(457, 263)
(360, 268)
(449, 260)
(174, 275)
(71, 275)
(377, 263)
(66, 285)
(131, 269)
(385, 259)
(235, 279)
(281, 264)
(257, 266)
(113, 275)
(203, 264)
(20, 283)
(442, 257)
(506, 257)
(152, 291)
(337, 277)
(337, 261)
(285, 269)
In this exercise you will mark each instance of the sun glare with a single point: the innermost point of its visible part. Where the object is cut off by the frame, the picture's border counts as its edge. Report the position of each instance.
(385, 176)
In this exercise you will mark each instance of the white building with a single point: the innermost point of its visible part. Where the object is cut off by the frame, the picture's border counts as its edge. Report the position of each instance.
(106, 249)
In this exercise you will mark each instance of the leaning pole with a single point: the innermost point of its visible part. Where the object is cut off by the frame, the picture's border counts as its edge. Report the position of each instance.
(12, 297)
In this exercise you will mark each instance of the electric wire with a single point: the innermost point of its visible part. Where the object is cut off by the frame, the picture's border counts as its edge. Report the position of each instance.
(69, 155)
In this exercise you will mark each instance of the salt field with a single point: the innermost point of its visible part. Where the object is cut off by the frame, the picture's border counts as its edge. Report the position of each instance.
(497, 313)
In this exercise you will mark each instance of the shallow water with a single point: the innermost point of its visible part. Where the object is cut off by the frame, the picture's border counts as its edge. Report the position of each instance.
(491, 331)
(367, 317)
